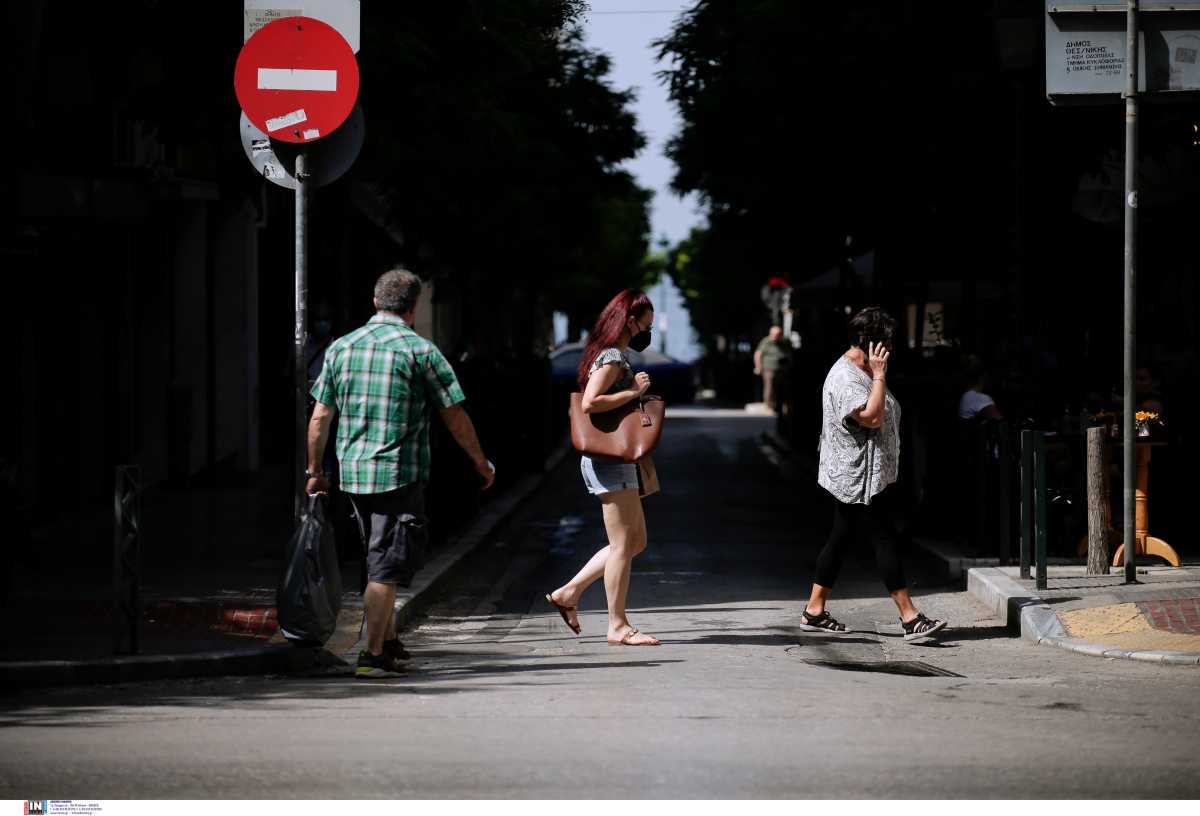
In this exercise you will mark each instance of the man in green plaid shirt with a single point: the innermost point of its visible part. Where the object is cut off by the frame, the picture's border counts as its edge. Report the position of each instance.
(383, 380)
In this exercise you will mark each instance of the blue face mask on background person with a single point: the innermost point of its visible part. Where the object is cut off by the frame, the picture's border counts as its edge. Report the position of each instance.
(322, 328)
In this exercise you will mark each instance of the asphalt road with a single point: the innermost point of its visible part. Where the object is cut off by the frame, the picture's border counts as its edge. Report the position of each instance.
(502, 701)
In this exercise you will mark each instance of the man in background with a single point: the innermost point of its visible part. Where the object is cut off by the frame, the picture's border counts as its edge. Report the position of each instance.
(772, 354)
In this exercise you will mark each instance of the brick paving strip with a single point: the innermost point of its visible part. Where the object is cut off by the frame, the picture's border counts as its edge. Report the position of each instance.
(1165, 625)
(238, 620)
(1178, 616)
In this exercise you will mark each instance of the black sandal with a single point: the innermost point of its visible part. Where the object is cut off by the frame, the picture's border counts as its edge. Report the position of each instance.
(821, 623)
(921, 626)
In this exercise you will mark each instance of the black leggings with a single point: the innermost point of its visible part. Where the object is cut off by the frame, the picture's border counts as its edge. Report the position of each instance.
(850, 521)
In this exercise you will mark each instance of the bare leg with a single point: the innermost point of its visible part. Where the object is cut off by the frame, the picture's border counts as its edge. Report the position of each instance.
(569, 593)
(904, 604)
(638, 546)
(816, 600)
(389, 630)
(625, 523)
(380, 601)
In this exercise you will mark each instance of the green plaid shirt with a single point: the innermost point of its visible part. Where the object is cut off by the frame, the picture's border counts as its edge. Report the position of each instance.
(382, 379)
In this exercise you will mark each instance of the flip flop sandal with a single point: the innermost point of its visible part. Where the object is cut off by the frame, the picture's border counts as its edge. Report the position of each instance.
(624, 641)
(563, 610)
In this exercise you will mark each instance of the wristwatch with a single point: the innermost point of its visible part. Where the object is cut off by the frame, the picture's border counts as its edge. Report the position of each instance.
(313, 474)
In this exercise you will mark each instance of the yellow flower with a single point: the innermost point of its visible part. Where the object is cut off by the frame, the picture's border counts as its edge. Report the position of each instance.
(1145, 416)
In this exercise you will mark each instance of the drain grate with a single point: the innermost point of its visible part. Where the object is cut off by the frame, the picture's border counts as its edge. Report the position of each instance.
(908, 668)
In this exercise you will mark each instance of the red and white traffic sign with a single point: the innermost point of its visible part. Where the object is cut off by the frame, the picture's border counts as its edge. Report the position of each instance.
(296, 79)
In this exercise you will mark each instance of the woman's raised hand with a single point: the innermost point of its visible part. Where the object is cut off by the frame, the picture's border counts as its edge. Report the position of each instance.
(877, 359)
(641, 383)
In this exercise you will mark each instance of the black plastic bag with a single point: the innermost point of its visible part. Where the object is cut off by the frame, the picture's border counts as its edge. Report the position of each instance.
(310, 594)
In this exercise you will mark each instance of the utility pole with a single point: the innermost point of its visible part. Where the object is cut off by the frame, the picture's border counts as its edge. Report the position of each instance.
(1129, 432)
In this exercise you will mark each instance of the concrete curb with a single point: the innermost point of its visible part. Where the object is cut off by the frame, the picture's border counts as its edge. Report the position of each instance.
(282, 658)
(1032, 616)
(263, 660)
(954, 567)
(950, 565)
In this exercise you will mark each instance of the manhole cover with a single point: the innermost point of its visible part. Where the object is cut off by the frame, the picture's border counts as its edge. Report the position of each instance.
(909, 668)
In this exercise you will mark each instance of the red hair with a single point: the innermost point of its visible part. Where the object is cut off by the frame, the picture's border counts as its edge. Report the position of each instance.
(610, 324)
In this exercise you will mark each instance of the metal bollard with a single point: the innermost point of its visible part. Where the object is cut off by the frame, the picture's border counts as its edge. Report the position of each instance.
(1026, 500)
(127, 522)
(1039, 507)
(1004, 480)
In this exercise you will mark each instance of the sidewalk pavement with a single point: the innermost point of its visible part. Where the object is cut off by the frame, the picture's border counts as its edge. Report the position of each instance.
(206, 619)
(1156, 620)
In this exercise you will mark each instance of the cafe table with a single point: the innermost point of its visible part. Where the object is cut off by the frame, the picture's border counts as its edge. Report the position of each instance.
(1146, 544)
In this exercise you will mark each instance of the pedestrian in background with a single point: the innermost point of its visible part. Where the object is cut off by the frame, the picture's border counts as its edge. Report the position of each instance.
(859, 459)
(773, 353)
(382, 380)
(608, 382)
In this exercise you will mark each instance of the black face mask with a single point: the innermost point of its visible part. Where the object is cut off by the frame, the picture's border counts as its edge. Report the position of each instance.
(640, 341)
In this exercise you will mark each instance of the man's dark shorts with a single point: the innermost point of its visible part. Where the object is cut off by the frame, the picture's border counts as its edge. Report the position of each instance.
(394, 531)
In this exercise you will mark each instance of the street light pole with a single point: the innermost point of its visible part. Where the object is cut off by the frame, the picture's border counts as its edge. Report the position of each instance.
(1127, 425)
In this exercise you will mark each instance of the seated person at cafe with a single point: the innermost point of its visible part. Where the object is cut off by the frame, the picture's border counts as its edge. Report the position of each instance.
(1146, 389)
(975, 402)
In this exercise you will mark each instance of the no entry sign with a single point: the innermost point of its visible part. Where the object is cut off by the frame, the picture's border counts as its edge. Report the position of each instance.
(296, 79)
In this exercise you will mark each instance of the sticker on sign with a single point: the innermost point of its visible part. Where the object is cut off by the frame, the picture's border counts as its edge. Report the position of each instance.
(343, 15)
(280, 122)
(329, 157)
(256, 18)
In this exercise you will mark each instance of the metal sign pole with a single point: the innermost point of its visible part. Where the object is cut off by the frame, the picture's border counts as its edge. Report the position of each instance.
(301, 336)
(127, 566)
(1127, 426)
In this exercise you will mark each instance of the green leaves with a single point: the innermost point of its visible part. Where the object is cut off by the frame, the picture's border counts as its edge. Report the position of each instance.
(497, 137)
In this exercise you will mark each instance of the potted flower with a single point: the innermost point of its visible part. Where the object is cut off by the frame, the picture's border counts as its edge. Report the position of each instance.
(1144, 420)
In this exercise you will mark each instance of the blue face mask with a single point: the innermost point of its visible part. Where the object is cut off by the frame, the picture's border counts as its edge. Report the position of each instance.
(322, 328)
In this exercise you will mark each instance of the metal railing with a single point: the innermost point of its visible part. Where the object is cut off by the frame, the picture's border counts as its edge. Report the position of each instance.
(992, 455)
(1033, 504)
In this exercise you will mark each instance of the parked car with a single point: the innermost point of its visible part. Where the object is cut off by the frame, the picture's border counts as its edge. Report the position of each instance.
(670, 379)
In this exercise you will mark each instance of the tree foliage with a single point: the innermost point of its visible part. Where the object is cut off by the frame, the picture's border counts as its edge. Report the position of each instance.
(803, 123)
(720, 299)
(497, 138)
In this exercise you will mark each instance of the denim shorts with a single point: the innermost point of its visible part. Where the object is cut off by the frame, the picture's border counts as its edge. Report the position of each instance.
(603, 474)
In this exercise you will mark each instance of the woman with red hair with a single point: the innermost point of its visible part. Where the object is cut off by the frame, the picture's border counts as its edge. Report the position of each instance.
(608, 382)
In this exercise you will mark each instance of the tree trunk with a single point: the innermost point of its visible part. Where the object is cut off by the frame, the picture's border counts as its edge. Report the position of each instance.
(1097, 495)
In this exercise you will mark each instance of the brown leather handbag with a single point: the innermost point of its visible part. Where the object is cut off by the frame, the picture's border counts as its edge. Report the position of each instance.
(629, 432)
